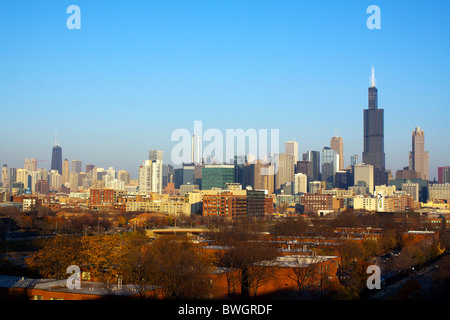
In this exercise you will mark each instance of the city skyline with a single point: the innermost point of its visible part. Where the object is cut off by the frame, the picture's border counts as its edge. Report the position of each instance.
(253, 61)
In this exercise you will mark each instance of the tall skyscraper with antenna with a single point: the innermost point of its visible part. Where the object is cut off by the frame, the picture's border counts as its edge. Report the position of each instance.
(374, 135)
(57, 155)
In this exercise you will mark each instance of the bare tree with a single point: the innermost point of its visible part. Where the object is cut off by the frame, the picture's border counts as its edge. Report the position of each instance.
(242, 248)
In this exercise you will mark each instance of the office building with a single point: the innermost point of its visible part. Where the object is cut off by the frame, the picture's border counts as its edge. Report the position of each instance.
(156, 159)
(74, 181)
(124, 176)
(42, 187)
(314, 157)
(57, 159)
(423, 187)
(353, 159)
(418, 157)
(374, 135)
(300, 183)
(187, 173)
(337, 145)
(145, 175)
(364, 176)
(22, 176)
(444, 175)
(291, 147)
(305, 167)
(411, 189)
(5, 176)
(217, 176)
(440, 192)
(225, 204)
(76, 166)
(330, 164)
(196, 149)
(65, 171)
(155, 155)
(286, 170)
(259, 176)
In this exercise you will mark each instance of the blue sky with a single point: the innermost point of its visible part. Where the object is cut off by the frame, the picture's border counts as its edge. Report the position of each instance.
(138, 70)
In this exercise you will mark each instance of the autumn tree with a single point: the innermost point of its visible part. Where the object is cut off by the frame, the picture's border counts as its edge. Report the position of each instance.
(242, 249)
(55, 256)
(175, 264)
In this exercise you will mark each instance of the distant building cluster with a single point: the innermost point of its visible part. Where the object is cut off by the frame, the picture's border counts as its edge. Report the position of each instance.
(318, 182)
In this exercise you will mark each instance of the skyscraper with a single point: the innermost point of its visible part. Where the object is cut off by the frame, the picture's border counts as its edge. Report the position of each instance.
(374, 135)
(330, 164)
(286, 170)
(196, 151)
(314, 157)
(337, 145)
(217, 176)
(5, 177)
(444, 174)
(418, 157)
(76, 166)
(364, 176)
(156, 159)
(65, 171)
(292, 148)
(57, 159)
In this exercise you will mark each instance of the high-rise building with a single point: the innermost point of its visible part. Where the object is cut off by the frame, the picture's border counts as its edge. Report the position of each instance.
(292, 148)
(259, 176)
(330, 164)
(314, 157)
(374, 135)
(42, 187)
(124, 176)
(196, 149)
(155, 155)
(300, 183)
(89, 168)
(22, 176)
(364, 176)
(156, 159)
(353, 159)
(55, 180)
(304, 167)
(286, 170)
(5, 176)
(12, 177)
(217, 176)
(412, 189)
(418, 157)
(145, 175)
(76, 166)
(57, 158)
(65, 171)
(74, 181)
(337, 145)
(444, 174)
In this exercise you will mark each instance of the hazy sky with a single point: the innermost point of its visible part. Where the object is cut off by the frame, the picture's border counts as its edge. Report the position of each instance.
(138, 70)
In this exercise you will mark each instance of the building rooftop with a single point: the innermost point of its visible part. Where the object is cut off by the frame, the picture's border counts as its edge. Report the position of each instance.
(86, 287)
(291, 261)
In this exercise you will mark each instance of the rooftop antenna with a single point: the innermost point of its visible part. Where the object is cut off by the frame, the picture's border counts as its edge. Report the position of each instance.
(372, 80)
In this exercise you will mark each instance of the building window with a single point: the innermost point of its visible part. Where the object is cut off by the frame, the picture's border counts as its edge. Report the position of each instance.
(37, 297)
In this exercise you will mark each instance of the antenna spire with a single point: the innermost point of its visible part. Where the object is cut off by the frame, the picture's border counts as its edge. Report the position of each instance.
(372, 80)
